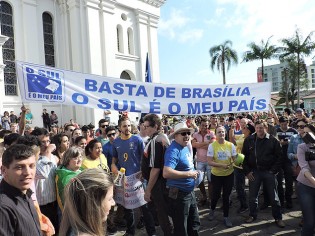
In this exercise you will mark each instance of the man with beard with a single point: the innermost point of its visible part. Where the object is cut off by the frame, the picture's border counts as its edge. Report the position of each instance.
(127, 152)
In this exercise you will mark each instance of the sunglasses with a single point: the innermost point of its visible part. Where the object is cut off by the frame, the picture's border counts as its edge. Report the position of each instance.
(103, 126)
(112, 134)
(185, 133)
(301, 126)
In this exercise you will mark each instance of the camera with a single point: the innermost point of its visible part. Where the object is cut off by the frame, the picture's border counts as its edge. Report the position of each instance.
(310, 156)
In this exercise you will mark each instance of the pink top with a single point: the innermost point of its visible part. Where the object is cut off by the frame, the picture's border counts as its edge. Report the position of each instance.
(305, 165)
(201, 152)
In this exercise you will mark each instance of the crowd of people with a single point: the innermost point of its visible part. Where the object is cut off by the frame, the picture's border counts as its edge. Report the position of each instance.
(60, 181)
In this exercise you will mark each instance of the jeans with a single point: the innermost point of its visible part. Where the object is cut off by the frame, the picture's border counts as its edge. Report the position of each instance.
(219, 183)
(184, 213)
(239, 182)
(204, 167)
(286, 173)
(306, 197)
(270, 182)
(147, 218)
(160, 203)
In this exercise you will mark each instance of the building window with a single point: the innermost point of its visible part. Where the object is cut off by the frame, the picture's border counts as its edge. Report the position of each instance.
(312, 70)
(130, 41)
(8, 51)
(125, 75)
(120, 42)
(48, 40)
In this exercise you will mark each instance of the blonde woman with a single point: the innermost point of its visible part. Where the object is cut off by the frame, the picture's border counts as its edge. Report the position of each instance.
(88, 200)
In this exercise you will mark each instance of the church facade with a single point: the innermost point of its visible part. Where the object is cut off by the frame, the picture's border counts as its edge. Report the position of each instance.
(101, 37)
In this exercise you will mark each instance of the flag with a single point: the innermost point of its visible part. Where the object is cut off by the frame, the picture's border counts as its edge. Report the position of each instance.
(41, 84)
(148, 71)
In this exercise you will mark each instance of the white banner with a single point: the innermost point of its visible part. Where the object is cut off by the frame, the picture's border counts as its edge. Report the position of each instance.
(131, 194)
(44, 84)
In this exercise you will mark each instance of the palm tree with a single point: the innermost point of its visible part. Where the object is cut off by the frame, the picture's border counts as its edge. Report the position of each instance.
(221, 55)
(260, 52)
(300, 48)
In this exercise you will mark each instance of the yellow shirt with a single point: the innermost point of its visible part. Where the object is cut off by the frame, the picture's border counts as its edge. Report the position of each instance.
(98, 163)
(222, 153)
(239, 140)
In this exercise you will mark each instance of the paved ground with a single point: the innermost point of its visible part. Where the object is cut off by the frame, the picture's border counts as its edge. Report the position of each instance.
(264, 225)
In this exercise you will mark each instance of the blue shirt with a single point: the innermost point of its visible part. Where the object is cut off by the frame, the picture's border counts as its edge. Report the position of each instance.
(129, 153)
(108, 152)
(179, 158)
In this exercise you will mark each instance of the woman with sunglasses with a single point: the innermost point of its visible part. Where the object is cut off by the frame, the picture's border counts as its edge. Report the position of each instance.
(295, 140)
(69, 168)
(221, 155)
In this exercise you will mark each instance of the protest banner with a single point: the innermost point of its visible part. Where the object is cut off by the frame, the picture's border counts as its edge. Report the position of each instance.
(44, 84)
(131, 194)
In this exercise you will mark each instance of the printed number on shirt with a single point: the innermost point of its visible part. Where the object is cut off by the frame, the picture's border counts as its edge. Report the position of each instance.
(125, 156)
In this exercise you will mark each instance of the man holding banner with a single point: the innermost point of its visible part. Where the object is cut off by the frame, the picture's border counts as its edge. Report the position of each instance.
(127, 152)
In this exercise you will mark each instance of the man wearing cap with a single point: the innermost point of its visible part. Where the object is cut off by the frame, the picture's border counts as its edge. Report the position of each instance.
(284, 133)
(181, 175)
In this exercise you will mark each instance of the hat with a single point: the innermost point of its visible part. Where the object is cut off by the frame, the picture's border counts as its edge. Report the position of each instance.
(54, 125)
(179, 128)
(299, 110)
(283, 119)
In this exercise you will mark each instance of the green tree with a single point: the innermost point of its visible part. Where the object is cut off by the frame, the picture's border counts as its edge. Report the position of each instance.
(262, 52)
(288, 92)
(299, 48)
(222, 55)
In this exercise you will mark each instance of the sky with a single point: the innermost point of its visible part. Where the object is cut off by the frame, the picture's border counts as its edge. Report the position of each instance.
(189, 28)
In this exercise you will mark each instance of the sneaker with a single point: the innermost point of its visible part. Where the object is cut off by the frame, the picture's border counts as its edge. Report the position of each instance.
(227, 222)
(280, 223)
(250, 219)
(242, 210)
(211, 214)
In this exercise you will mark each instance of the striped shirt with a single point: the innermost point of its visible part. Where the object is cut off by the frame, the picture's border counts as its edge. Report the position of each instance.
(45, 180)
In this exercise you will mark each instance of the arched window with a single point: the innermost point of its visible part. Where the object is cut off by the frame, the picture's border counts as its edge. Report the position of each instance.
(120, 41)
(125, 75)
(8, 51)
(48, 40)
(130, 41)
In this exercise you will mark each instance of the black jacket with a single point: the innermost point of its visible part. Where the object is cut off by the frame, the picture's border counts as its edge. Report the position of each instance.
(262, 154)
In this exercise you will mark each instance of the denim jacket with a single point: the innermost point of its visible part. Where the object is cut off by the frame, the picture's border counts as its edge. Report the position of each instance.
(295, 140)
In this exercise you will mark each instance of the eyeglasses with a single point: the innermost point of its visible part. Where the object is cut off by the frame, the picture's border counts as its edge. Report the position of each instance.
(301, 126)
(185, 133)
(112, 134)
(103, 126)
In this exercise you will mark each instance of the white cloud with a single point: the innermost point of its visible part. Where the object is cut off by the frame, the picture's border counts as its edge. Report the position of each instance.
(176, 21)
(192, 35)
(180, 27)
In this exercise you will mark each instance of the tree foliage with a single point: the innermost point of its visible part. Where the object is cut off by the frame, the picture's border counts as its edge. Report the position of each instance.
(222, 56)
